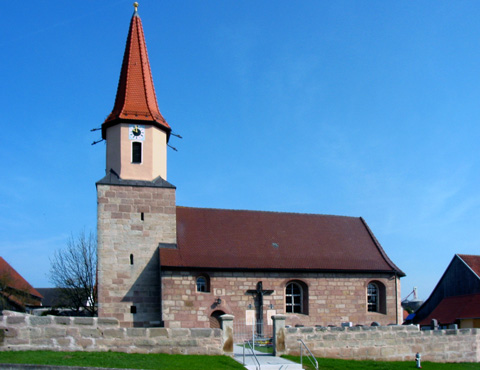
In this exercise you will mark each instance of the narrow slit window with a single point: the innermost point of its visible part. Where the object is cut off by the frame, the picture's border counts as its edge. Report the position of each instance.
(131, 259)
(142, 216)
(136, 152)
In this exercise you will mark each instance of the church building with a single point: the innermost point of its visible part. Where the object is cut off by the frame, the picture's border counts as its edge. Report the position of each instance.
(160, 264)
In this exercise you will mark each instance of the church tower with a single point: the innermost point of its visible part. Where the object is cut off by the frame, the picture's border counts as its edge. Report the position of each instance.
(135, 204)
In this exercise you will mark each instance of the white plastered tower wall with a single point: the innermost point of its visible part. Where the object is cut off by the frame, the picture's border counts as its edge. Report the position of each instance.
(154, 153)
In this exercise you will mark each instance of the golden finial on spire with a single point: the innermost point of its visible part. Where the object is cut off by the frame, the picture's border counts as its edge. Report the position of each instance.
(135, 5)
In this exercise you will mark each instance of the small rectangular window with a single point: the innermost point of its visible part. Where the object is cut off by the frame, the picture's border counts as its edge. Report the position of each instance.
(136, 152)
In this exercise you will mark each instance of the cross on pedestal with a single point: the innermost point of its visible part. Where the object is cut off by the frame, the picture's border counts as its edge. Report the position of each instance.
(259, 293)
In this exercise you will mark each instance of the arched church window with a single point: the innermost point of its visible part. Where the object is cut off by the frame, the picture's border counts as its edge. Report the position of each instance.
(376, 297)
(203, 284)
(372, 297)
(296, 297)
(136, 152)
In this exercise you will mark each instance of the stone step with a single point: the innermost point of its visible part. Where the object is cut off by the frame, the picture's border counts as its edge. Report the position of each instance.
(276, 367)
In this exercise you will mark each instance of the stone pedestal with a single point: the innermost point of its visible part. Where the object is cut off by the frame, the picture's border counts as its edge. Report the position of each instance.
(278, 334)
(227, 328)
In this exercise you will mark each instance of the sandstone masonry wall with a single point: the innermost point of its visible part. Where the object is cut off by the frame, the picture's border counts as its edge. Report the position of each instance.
(333, 298)
(387, 343)
(27, 332)
(132, 221)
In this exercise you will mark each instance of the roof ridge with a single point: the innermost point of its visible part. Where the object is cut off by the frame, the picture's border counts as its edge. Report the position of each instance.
(263, 211)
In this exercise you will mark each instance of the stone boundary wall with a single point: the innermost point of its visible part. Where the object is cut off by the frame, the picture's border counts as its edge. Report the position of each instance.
(387, 343)
(56, 333)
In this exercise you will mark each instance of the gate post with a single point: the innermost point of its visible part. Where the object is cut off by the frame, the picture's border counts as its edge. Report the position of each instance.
(278, 334)
(227, 330)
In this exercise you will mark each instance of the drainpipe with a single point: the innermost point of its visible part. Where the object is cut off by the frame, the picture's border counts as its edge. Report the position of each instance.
(396, 297)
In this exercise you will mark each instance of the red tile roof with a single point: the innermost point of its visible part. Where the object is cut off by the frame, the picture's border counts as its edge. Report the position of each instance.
(472, 261)
(451, 309)
(136, 99)
(14, 280)
(228, 239)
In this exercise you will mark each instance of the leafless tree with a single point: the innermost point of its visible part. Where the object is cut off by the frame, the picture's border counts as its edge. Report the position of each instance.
(73, 271)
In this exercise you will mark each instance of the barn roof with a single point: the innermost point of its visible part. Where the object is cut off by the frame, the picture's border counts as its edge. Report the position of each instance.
(455, 308)
(237, 239)
(472, 261)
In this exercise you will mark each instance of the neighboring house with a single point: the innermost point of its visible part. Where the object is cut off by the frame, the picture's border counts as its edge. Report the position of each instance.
(56, 301)
(456, 298)
(16, 294)
(53, 298)
(160, 264)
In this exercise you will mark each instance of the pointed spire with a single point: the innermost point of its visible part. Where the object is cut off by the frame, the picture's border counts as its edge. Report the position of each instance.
(136, 99)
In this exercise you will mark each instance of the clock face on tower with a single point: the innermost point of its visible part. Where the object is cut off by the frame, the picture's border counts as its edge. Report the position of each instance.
(136, 132)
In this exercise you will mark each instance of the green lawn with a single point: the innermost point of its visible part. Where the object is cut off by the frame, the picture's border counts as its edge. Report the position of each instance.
(329, 364)
(121, 360)
(191, 362)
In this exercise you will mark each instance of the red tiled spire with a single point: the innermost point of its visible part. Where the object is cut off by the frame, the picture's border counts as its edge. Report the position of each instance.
(136, 99)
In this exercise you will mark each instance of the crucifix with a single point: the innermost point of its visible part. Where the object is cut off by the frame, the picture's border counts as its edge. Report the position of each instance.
(259, 293)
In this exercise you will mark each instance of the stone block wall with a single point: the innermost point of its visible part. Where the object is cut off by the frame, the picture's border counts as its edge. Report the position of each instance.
(132, 221)
(27, 332)
(386, 343)
(333, 298)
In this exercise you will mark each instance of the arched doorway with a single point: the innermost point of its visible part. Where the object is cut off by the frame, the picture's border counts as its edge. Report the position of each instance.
(215, 322)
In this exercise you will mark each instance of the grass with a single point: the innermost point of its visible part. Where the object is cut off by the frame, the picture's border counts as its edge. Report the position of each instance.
(121, 360)
(194, 362)
(331, 364)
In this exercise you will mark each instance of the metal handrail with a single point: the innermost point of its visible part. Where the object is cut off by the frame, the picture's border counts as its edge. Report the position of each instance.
(310, 356)
(254, 355)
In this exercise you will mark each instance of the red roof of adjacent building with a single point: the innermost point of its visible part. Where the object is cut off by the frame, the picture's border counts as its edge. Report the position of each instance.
(451, 309)
(229, 239)
(472, 261)
(14, 280)
(136, 99)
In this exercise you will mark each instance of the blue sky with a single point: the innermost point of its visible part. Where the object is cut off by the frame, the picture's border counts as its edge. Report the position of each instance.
(356, 108)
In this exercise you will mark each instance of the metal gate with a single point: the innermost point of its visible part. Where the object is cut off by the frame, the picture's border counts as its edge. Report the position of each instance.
(256, 334)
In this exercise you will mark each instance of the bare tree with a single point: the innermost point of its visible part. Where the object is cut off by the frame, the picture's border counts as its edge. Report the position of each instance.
(73, 271)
